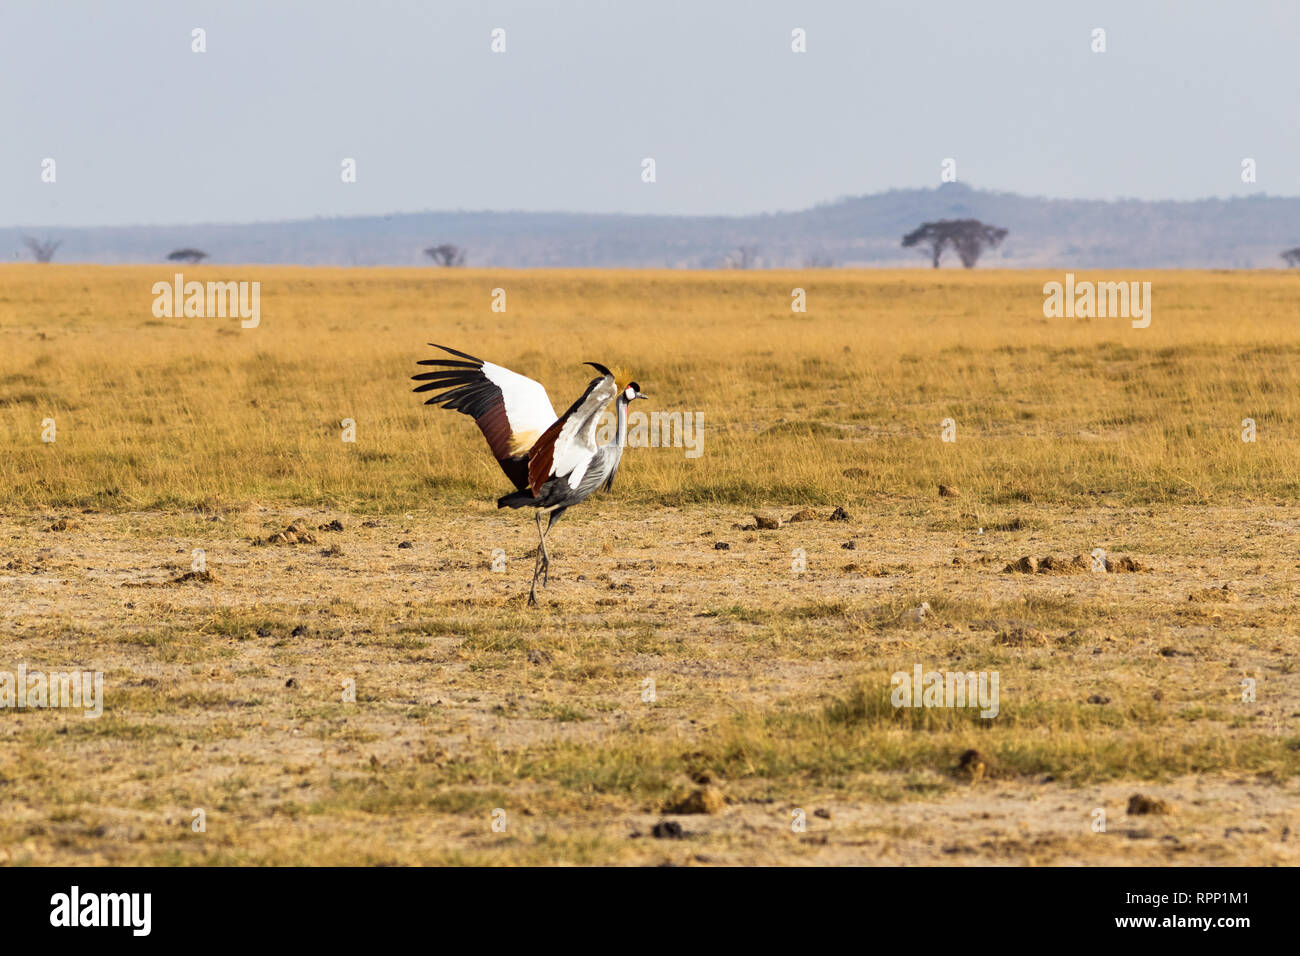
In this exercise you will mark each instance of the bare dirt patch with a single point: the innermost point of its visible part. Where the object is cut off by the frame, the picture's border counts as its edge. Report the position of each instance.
(658, 668)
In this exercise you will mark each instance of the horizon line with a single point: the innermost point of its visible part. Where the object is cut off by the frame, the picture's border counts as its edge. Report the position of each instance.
(839, 200)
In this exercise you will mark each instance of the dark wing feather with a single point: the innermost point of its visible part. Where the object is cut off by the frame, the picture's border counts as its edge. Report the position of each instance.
(511, 410)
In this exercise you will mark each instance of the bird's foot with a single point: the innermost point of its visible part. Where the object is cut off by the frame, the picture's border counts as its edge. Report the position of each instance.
(532, 594)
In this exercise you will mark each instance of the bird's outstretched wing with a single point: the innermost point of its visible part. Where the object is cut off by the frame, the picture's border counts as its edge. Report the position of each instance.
(567, 447)
(511, 410)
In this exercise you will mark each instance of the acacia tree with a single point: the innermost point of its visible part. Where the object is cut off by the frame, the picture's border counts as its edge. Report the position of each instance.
(968, 237)
(1292, 257)
(187, 255)
(446, 255)
(43, 251)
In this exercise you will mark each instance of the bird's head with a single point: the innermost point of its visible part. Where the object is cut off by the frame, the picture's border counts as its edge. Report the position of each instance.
(627, 393)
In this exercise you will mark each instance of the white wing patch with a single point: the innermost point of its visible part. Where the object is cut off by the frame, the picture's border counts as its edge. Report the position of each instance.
(528, 408)
(575, 476)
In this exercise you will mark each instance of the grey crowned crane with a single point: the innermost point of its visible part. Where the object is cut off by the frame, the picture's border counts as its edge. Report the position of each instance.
(554, 462)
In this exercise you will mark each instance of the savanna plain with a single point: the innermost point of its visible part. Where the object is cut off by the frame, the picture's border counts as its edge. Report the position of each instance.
(347, 672)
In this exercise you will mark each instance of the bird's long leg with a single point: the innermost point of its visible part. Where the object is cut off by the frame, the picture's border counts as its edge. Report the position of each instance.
(537, 563)
(546, 558)
(541, 558)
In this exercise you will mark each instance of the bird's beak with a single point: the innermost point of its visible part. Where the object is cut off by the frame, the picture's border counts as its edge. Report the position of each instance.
(641, 395)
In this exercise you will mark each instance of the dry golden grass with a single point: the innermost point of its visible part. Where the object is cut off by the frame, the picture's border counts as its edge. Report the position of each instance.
(771, 685)
(198, 412)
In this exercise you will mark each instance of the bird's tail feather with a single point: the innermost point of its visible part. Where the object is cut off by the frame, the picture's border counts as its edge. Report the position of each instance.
(516, 499)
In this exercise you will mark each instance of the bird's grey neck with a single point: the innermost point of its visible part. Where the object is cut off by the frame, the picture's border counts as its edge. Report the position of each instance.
(621, 440)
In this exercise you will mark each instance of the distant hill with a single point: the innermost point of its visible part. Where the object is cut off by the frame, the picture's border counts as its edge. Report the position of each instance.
(861, 231)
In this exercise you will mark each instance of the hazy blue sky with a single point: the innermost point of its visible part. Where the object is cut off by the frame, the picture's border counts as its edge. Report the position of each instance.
(145, 131)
